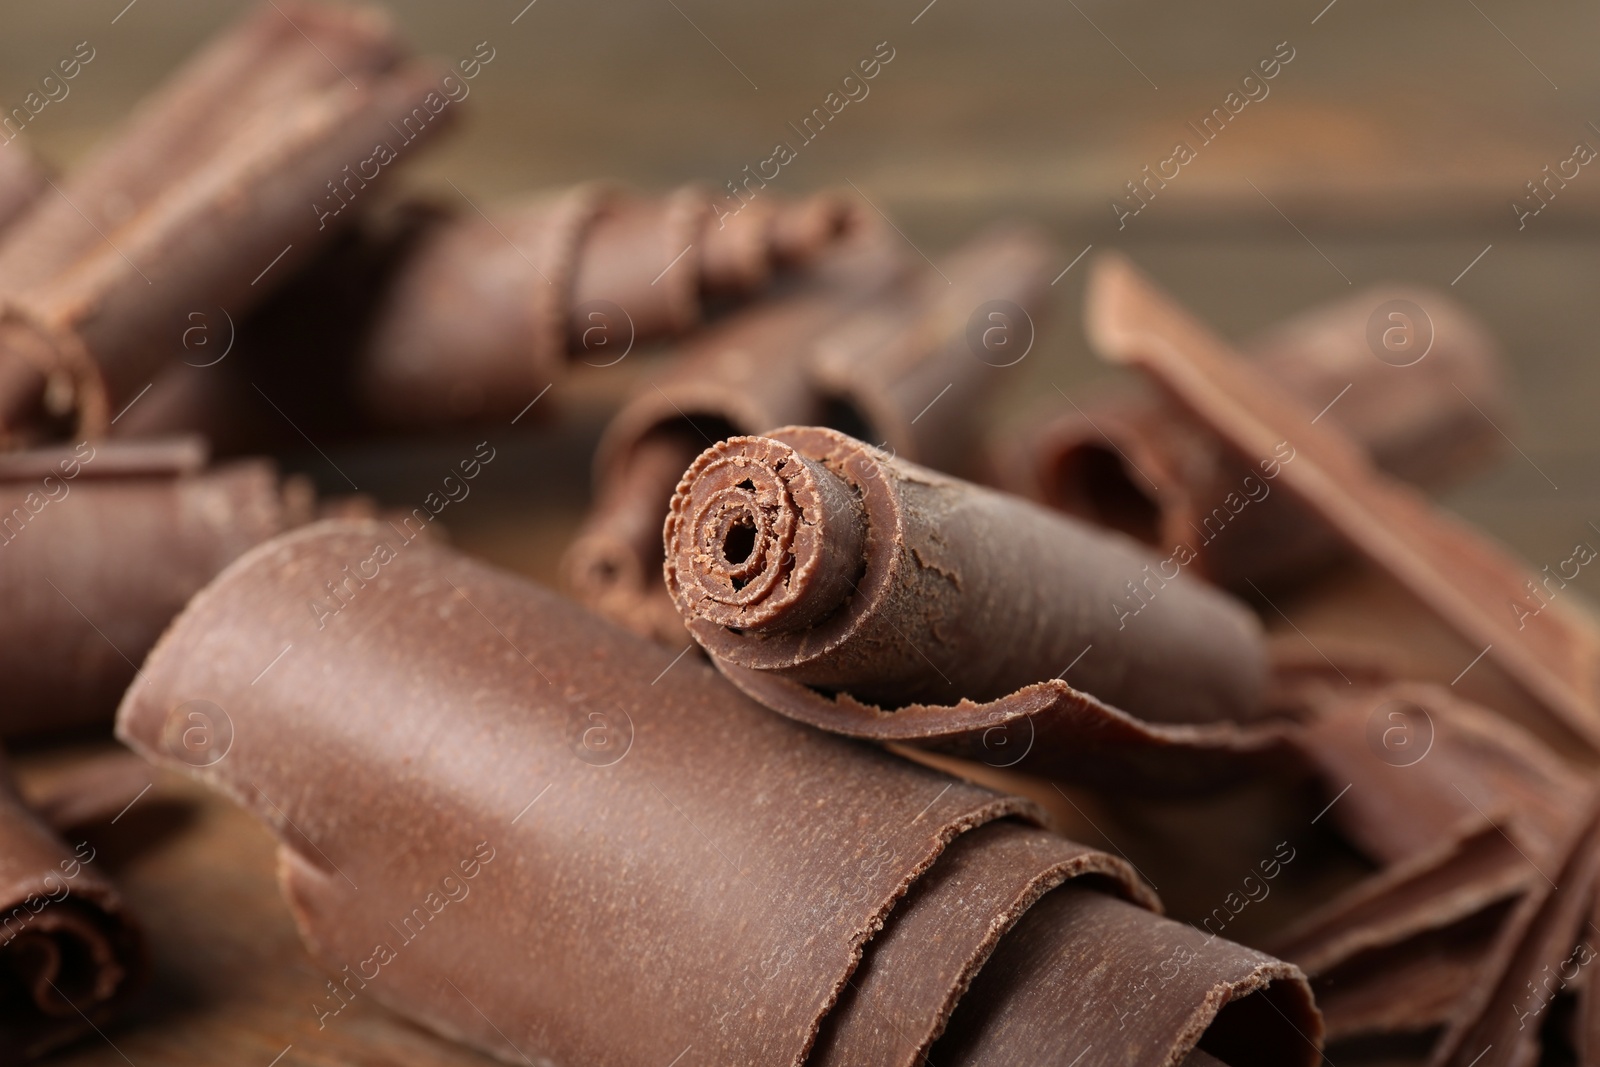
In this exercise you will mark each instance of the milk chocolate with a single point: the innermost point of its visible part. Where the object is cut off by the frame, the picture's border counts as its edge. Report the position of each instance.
(1130, 460)
(748, 370)
(1158, 986)
(1507, 1006)
(70, 955)
(432, 314)
(456, 742)
(904, 369)
(249, 154)
(910, 373)
(862, 593)
(1547, 648)
(488, 309)
(1466, 813)
(100, 546)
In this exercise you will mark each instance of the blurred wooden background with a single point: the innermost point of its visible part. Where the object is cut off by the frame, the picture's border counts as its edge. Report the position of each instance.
(1391, 147)
(1395, 141)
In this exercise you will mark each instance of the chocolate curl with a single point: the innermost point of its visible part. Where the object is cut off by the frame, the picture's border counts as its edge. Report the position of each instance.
(69, 954)
(1419, 408)
(488, 310)
(1444, 762)
(880, 369)
(1464, 810)
(916, 971)
(611, 564)
(262, 61)
(1140, 465)
(744, 374)
(1465, 876)
(841, 587)
(1586, 1038)
(101, 546)
(1506, 1006)
(1155, 988)
(22, 179)
(524, 750)
(93, 789)
(246, 155)
(911, 370)
(1471, 583)
(1414, 987)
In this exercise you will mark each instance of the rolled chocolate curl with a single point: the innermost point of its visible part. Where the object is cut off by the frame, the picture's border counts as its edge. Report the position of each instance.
(70, 955)
(1053, 969)
(100, 546)
(250, 153)
(457, 742)
(610, 564)
(917, 969)
(749, 370)
(425, 315)
(1136, 463)
(910, 372)
(861, 593)
(1549, 650)
(488, 309)
(904, 369)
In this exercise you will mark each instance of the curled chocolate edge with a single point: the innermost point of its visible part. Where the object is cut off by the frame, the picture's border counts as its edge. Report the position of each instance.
(1134, 461)
(70, 954)
(104, 543)
(818, 598)
(208, 183)
(519, 737)
(876, 364)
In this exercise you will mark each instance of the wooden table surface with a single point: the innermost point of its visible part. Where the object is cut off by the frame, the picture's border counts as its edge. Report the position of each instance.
(1391, 147)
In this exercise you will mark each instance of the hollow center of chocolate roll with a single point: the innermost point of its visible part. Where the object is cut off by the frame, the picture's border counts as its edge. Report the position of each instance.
(763, 539)
(739, 542)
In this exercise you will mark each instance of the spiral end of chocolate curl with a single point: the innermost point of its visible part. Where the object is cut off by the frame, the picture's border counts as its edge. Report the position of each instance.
(760, 538)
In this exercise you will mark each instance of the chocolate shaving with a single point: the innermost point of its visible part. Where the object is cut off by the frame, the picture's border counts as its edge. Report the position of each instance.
(918, 968)
(1087, 975)
(245, 155)
(746, 370)
(427, 315)
(1133, 462)
(872, 357)
(1474, 586)
(487, 311)
(102, 545)
(1466, 812)
(95, 789)
(910, 372)
(69, 954)
(1413, 987)
(458, 742)
(1446, 763)
(1463, 877)
(844, 587)
(1536, 939)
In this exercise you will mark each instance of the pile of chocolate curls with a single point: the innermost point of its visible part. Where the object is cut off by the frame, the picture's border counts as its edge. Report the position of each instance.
(786, 774)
